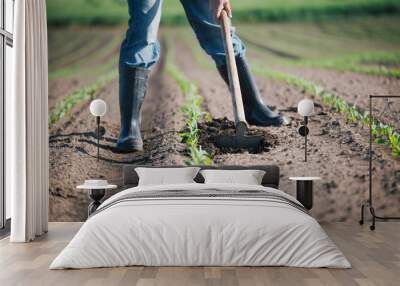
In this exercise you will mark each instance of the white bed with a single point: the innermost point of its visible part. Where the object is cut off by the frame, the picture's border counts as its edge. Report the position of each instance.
(183, 230)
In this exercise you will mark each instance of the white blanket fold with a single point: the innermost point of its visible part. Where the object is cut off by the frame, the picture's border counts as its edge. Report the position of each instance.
(203, 225)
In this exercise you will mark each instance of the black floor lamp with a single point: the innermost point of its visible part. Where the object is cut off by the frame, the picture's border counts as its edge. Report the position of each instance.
(305, 108)
(98, 108)
(369, 202)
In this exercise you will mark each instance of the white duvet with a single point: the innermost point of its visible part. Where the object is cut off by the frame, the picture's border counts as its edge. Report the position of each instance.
(200, 231)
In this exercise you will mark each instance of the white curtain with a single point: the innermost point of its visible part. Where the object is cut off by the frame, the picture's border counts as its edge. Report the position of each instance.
(27, 127)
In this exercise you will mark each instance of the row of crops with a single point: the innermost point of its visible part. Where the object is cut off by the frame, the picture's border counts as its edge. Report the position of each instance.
(87, 60)
(362, 44)
(192, 110)
(88, 92)
(88, 53)
(65, 63)
(384, 133)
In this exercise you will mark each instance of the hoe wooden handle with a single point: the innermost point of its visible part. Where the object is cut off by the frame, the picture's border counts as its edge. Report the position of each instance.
(232, 70)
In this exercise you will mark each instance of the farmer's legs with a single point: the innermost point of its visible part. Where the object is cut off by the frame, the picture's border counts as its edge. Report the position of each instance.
(208, 32)
(140, 47)
(139, 51)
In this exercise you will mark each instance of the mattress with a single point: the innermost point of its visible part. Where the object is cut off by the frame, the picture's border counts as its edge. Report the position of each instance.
(201, 225)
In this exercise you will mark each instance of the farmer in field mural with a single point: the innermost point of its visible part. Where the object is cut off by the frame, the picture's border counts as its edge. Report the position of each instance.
(140, 51)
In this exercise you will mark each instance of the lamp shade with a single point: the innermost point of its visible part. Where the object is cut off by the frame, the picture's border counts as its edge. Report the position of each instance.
(98, 107)
(305, 107)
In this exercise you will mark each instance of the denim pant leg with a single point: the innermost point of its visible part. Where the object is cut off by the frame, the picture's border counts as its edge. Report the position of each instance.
(208, 31)
(140, 47)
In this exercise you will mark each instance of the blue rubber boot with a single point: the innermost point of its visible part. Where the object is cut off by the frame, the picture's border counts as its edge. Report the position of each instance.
(132, 90)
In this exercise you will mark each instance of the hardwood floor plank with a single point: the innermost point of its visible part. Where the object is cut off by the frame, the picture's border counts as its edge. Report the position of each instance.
(313, 282)
(228, 278)
(131, 276)
(212, 272)
(146, 282)
(365, 282)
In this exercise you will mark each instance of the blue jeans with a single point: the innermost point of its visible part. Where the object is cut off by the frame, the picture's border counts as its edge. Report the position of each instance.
(140, 47)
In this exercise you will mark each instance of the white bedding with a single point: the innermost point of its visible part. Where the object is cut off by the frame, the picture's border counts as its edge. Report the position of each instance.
(200, 231)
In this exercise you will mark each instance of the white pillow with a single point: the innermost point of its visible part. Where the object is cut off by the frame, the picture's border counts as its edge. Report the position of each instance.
(247, 177)
(165, 176)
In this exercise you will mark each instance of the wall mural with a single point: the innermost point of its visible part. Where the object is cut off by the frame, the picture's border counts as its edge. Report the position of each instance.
(336, 64)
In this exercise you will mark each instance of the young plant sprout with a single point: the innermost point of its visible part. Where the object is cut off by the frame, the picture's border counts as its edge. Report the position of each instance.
(193, 113)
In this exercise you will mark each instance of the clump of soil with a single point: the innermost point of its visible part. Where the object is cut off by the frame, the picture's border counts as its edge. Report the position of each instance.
(223, 126)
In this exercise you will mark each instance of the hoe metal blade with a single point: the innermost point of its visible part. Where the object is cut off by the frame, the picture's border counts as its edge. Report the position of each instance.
(240, 140)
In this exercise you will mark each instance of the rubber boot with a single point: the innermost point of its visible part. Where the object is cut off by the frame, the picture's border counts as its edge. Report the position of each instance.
(256, 112)
(132, 90)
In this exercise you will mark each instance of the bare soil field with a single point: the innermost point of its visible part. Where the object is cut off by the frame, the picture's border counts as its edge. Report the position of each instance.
(73, 149)
(338, 151)
(77, 56)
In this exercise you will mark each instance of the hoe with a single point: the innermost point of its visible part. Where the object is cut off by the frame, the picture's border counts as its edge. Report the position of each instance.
(240, 140)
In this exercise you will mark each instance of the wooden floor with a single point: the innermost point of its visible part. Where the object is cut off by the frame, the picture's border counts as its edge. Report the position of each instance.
(375, 257)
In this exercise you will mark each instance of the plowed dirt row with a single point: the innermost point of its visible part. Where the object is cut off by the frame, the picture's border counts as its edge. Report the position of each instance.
(63, 86)
(73, 145)
(338, 151)
(355, 88)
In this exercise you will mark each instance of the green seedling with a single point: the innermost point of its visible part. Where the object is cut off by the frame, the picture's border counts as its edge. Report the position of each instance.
(352, 112)
(395, 144)
(199, 157)
(382, 133)
(191, 132)
(193, 114)
(78, 96)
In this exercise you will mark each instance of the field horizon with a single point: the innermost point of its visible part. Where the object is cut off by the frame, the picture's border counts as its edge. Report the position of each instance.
(114, 12)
